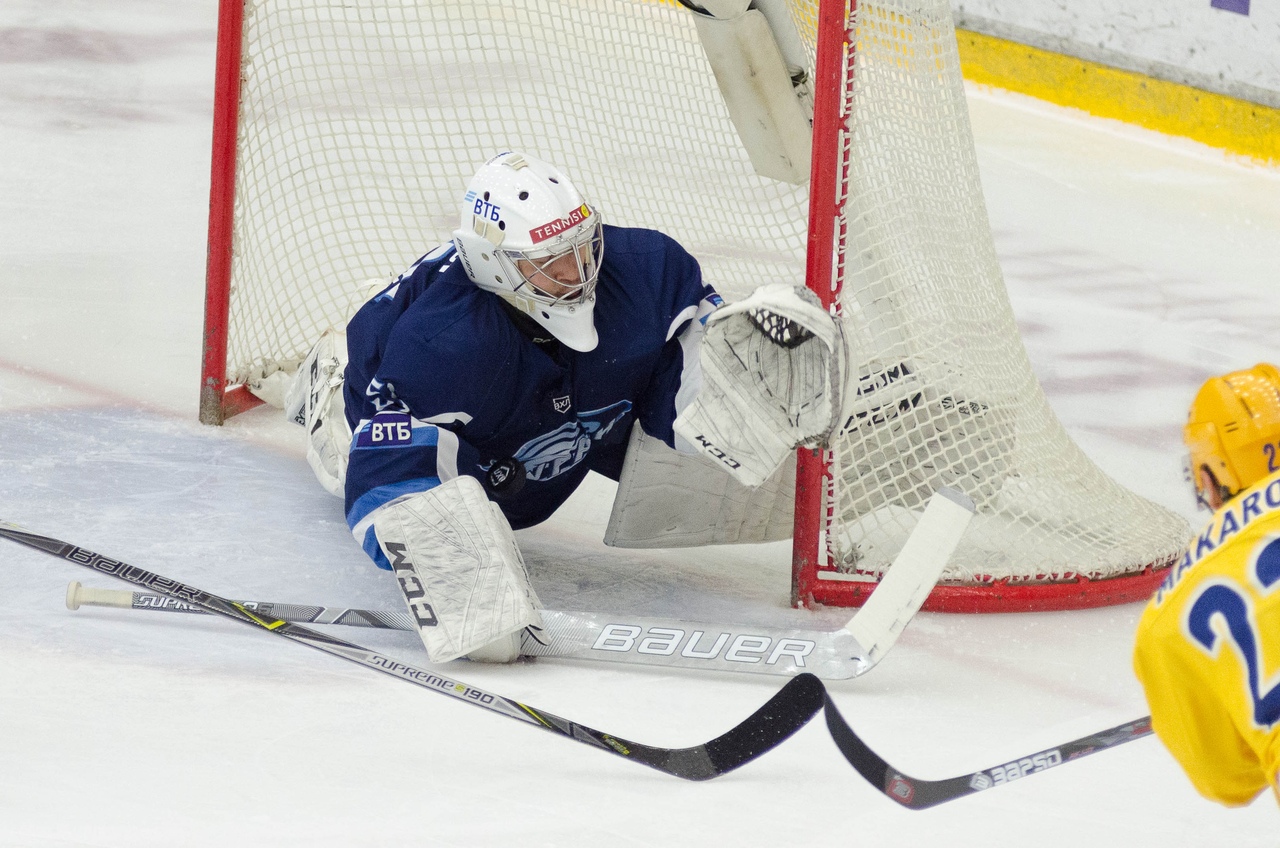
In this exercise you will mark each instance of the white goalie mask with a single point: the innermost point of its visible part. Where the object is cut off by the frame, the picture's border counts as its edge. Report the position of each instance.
(528, 236)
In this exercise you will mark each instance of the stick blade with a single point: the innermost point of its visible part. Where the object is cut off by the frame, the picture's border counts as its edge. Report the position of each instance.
(790, 709)
(913, 574)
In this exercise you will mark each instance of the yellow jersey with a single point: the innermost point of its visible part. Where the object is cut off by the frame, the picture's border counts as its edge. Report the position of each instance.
(1208, 649)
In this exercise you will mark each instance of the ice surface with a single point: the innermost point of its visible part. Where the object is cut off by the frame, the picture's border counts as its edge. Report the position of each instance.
(1137, 265)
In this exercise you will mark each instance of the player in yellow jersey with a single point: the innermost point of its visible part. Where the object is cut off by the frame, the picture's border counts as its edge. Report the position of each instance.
(1208, 643)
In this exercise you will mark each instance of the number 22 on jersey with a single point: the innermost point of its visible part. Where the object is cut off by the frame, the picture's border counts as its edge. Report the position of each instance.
(1226, 598)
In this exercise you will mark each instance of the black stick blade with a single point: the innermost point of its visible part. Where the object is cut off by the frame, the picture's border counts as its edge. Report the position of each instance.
(917, 794)
(768, 727)
(794, 705)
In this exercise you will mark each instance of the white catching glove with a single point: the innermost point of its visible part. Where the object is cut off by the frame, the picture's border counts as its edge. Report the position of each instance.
(457, 563)
(772, 366)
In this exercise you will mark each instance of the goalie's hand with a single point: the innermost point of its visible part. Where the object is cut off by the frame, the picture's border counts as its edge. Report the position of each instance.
(772, 365)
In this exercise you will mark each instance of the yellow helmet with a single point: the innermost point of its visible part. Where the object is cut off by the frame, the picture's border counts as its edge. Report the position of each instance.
(1233, 432)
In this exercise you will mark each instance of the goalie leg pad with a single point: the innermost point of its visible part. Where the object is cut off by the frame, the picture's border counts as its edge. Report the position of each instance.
(456, 560)
(772, 368)
(669, 499)
(315, 401)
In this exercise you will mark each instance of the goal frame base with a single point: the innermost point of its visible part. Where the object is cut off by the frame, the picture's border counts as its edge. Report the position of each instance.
(218, 404)
(999, 595)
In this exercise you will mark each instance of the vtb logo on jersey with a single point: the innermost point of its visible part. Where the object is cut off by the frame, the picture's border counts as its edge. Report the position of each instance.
(386, 429)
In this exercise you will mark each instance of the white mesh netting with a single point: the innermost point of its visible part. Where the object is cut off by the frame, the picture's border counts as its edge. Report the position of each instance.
(362, 120)
(361, 123)
(948, 396)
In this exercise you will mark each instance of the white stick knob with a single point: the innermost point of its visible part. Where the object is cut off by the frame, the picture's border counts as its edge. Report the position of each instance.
(77, 595)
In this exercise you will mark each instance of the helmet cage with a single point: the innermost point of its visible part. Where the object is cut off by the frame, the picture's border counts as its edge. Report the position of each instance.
(585, 244)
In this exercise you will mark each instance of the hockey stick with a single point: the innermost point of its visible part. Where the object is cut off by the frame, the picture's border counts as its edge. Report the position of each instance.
(917, 794)
(834, 655)
(579, 635)
(785, 713)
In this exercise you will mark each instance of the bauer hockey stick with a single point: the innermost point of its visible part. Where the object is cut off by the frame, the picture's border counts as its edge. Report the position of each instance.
(850, 651)
(785, 713)
(591, 636)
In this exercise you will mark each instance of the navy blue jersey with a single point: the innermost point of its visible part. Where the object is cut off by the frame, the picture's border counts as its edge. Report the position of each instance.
(445, 379)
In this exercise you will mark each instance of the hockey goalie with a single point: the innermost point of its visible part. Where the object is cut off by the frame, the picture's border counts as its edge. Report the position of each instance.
(477, 391)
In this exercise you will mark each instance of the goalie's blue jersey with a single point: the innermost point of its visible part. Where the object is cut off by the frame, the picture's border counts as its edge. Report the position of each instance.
(446, 379)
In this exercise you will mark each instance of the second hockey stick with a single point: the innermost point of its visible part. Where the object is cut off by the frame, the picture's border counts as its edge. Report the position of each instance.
(785, 713)
(918, 794)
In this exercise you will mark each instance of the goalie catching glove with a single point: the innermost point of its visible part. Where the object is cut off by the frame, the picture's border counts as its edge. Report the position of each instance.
(457, 563)
(772, 366)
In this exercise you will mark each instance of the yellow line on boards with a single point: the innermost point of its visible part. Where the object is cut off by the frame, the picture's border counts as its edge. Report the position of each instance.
(1247, 129)
(1238, 126)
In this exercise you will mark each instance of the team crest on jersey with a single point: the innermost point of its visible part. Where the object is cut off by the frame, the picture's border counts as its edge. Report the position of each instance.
(382, 394)
(554, 453)
(561, 404)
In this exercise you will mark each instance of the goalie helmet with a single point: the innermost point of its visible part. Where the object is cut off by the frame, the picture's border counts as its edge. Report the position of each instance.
(1233, 433)
(529, 237)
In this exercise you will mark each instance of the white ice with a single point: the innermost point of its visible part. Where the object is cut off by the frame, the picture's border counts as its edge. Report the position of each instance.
(1137, 265)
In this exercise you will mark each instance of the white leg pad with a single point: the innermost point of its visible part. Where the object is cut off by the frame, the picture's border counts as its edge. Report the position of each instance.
(456, 560)
(773, 117)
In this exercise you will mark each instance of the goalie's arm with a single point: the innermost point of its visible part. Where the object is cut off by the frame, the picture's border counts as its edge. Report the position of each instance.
(393, 455)
(677, 377)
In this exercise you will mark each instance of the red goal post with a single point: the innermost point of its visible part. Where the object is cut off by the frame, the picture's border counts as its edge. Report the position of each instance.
(219, 401)
(344, 131)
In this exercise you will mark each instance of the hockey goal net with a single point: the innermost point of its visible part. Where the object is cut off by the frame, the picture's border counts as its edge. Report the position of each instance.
(345, 133)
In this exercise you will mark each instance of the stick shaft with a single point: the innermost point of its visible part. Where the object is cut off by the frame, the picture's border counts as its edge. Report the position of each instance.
(919, 794)
(785, 713)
